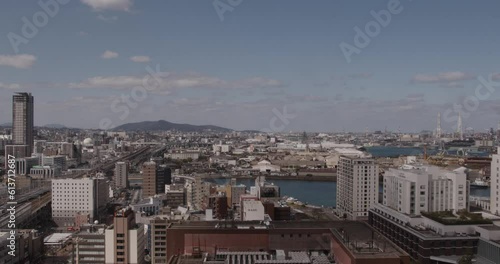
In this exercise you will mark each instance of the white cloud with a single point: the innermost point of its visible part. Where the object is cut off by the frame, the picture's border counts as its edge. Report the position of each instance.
(140, 59)
(116, 5)
(444, 77)
(109, 54)
(169, 81)
(9, 86)
(452, 85)
(22, 61)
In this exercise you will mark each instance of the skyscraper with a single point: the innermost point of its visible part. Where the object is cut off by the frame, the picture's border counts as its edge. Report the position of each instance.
(357, 185)
(149, 179)
(121, 175)
(22, 121)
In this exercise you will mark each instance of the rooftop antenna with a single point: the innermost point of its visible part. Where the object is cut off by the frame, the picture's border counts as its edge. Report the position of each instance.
(460, 131)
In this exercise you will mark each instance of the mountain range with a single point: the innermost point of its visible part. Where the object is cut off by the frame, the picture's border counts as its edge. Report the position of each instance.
(162, 125)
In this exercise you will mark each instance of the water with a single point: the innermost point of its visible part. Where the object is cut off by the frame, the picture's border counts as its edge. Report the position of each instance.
(381, 151)
(317, 193)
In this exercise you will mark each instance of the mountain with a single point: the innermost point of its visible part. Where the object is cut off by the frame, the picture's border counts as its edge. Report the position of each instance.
(54, 126)
(6, 125)
(163, 125)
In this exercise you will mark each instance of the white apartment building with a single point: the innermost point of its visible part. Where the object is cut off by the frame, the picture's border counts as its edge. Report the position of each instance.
(72, 196)
(357, 185)
(252, 210)
(121, 175)
(419, 189)
(494, 189)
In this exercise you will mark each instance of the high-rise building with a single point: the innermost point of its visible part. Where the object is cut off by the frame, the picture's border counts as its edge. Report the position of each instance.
(149, 179)
(121, 175)
(425, 189)
(154, 178)
(357, 185)
(73, 196)
(22, 121)
(495, 178)
(125, 239)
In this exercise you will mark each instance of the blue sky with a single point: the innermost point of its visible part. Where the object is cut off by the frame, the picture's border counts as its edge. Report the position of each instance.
(264, 55)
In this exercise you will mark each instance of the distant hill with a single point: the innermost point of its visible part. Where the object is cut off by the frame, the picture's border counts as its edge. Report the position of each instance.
(163, 125)
(6, 125)
(54, 126)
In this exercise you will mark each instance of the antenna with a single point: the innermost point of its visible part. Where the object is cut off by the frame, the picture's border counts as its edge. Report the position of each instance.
(438, 129)
(460, 131)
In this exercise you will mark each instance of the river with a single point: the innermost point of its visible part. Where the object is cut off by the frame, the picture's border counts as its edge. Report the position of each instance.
(317, 193)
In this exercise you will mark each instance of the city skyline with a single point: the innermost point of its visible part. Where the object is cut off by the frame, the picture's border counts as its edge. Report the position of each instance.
(238, 72)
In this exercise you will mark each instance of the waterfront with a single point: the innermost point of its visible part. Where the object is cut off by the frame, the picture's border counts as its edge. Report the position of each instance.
(317, 193)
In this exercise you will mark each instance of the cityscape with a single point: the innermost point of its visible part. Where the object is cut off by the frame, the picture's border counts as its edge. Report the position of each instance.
(227, 132)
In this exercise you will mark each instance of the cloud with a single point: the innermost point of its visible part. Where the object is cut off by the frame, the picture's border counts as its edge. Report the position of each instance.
(452, 85)
(107, 19)
(167, 81)
(9, 86)
(21, 61)
(83, 33)
(115, 5)
(109, 54)
(140, 59)
(444, 77)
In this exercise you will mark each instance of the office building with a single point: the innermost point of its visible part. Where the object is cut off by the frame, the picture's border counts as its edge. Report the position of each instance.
(414, 189)
(252, 210)
(55, 162)
(218, 205)
(89, 245)
(433, 237)
(22, 121)
(357, 185)
(121, 175)
(24, 165)
(494, 186)
(164, 175)
(233, 193)
(125, 239)
(73, 196)
(149, 179)
(255, 242)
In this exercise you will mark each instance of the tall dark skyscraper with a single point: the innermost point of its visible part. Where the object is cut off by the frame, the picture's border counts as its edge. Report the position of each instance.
(22, 120)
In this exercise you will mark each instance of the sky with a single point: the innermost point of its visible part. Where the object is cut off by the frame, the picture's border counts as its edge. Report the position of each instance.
(323, 65)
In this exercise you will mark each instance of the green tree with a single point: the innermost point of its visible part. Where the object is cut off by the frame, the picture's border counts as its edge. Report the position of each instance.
(465, 259)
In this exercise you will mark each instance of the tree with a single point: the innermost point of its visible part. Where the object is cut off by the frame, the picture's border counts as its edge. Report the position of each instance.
(465, 259)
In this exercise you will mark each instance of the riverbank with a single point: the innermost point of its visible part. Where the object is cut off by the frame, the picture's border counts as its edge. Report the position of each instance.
(286, 178)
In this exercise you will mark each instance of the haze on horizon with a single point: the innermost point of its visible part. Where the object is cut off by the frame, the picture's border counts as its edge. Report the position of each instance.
(240, 69)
